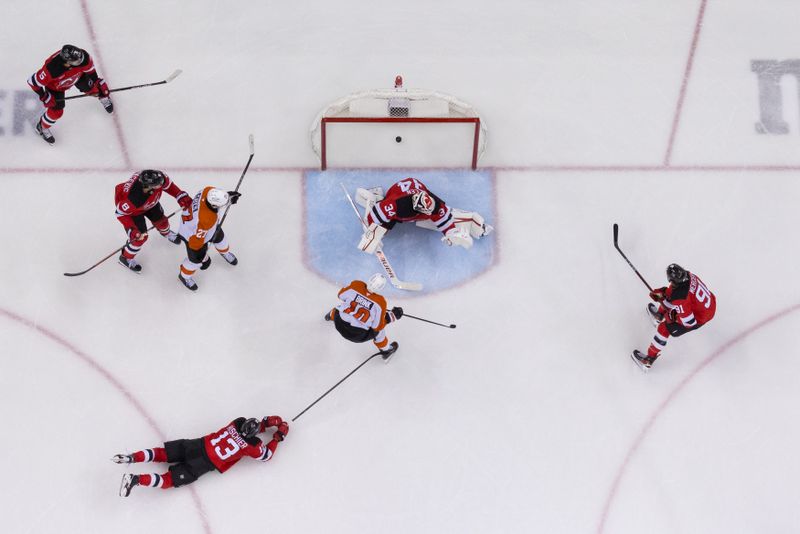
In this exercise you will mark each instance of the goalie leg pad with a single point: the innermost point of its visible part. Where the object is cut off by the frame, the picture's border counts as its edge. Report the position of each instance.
(371, 240)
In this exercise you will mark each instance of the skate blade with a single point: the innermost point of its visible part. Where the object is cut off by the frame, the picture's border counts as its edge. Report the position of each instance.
(128, 268)
(642, 366)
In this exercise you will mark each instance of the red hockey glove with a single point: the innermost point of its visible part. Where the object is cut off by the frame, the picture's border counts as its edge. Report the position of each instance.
(283, 429)
(184, 200)
(272, 420)
(659, 294)
(137, 238)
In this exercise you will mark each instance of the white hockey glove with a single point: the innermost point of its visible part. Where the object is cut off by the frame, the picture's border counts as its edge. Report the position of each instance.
(371, 240)
(458, 236)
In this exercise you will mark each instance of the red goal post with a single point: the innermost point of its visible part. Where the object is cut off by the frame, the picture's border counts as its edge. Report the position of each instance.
(398, 106)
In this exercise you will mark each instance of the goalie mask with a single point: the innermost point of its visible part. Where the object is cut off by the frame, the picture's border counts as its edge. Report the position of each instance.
(422, 202)
(376, 283)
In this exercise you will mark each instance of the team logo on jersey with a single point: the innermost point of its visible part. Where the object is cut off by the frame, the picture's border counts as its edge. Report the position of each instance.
(332, 231)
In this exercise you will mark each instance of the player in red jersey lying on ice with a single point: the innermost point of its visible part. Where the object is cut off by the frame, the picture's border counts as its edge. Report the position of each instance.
(192, 458)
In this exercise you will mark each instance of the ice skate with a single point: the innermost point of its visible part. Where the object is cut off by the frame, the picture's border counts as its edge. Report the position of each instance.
(108, 105)
(387, 353)
(173, 237)
(122, 459)
(131, 264)
(230, 258)
(188, 281)
(642, 360)
(655, 317)
(45, 133)
(128, 482)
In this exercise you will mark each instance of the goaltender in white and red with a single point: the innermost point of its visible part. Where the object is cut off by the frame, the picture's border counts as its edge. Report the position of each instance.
(410, 200)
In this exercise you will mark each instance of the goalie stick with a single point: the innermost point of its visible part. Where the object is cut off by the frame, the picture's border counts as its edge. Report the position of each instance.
(118, 89)
(115, 252)
(382, 259)
(616, 245)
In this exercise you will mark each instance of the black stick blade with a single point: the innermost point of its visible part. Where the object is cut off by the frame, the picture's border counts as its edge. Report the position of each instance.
(616, 233)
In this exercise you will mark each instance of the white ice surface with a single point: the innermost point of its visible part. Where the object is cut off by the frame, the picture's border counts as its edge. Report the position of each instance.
(529, 417)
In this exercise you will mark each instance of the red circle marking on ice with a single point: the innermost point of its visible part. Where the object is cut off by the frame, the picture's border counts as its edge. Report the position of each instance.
(102, 371)
(661, 408)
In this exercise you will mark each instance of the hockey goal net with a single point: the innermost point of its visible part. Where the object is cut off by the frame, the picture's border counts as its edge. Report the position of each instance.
(397, 127)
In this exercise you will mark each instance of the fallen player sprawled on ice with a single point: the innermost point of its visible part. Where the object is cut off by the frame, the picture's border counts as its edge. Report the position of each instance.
(409, 200)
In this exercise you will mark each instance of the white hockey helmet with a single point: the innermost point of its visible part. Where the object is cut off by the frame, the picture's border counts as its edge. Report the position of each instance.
(375, 283)
(422, 202)
(217, 198)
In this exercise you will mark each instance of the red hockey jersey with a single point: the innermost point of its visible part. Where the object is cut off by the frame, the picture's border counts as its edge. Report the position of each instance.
(397, 206)
(56, 75)
(131, 200)
(226, 446)
(693, 302)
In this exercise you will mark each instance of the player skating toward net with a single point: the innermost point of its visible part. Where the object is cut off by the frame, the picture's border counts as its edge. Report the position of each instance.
(199, 227)
(192, 458)
(67, 67)
(410, 200)
(362, 314)
(139, 198)
(685, 305)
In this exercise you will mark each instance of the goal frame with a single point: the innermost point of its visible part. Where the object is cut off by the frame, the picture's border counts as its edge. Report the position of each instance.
(323, 156)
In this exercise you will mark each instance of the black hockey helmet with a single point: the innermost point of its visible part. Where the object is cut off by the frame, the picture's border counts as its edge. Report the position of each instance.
(72, 55)
(151, 178)
(676, 274)
(249, 428)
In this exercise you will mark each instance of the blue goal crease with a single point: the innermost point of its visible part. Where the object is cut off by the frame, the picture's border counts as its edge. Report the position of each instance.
(332, 231)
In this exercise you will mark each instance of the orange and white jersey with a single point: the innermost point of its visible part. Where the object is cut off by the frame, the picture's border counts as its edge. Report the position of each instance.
(361, 308)
(199, 222)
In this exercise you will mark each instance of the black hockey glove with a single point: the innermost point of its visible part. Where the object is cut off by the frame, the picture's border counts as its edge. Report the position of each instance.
(234, 196)
(394, 314)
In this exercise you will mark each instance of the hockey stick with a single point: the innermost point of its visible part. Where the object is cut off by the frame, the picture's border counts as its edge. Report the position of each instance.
(252, 153)
(384, 261)
(116, 251)
(335, 386)
(427, 321)
(616, 245)
(167, 80)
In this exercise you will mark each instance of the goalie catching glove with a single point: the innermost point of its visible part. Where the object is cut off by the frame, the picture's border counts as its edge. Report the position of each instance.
(458, 236)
